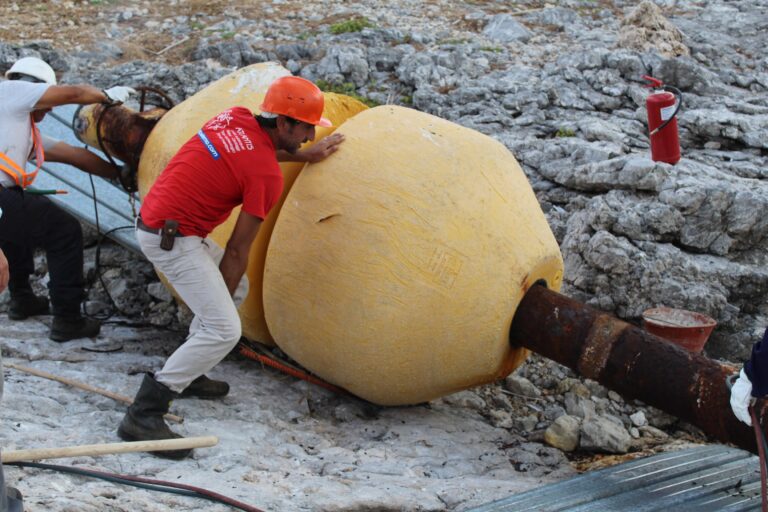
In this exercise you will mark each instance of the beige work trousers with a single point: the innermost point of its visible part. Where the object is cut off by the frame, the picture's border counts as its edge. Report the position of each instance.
(192, 268)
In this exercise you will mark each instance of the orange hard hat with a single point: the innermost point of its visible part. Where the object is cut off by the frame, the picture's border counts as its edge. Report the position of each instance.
(296, 97)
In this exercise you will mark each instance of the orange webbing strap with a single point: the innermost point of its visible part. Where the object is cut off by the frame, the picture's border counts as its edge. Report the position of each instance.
(37, 142)
(11, 168)
(15, 171)
(252, 354)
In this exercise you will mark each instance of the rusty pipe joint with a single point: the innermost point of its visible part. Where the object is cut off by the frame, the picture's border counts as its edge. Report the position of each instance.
(632, 362)
(118, 131)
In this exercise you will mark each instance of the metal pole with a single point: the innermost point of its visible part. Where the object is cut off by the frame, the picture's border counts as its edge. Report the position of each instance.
(632, 362)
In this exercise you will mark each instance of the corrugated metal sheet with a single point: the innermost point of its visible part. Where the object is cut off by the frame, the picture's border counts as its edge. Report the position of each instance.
(114, 208)
(703, 478)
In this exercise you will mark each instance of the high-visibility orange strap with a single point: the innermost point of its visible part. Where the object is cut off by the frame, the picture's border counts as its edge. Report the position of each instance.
(11, 168)
(37, 143)
(15, 171)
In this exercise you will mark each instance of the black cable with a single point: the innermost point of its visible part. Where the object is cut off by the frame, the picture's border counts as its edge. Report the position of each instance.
(679, 96)
(143, 483)
(114, 308)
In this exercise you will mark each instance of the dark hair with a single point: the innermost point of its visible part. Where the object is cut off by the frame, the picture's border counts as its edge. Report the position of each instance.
(271, 122)
(25, 78)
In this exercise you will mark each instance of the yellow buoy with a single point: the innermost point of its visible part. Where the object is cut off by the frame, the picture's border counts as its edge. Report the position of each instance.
(396, 265)
(244, 87)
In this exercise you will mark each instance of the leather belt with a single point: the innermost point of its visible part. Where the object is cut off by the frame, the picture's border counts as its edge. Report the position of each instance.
(155, 231)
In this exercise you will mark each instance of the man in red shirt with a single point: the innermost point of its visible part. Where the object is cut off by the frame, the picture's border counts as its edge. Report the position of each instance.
(231, 161)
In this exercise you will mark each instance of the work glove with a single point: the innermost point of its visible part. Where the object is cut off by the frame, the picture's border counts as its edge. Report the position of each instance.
(118, 94)
(741, 398)
(127, 178)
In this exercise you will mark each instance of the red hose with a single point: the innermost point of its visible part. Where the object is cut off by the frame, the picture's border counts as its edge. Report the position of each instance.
(199, 490)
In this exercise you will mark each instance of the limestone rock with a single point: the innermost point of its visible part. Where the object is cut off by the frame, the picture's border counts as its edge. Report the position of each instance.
(563, 433)
(646, 28)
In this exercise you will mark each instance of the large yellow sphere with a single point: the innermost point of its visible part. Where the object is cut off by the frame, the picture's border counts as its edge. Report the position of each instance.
(396, 265)
(244, 87)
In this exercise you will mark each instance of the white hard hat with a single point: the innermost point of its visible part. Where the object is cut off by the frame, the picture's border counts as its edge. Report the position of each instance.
(34, 67)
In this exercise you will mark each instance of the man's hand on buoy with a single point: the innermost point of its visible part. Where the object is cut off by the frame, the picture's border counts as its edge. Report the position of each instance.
(322, 149)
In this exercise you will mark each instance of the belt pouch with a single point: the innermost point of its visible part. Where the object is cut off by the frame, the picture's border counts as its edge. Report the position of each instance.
(168, 234)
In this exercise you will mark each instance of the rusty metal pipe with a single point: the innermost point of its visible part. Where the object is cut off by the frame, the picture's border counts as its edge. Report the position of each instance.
(117, 130)
(632, 362)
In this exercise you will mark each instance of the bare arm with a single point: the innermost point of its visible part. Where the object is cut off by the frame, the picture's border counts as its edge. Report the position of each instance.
(235, 259)
(82, 159)
(3, 271)
(57, 95)
(315, 153)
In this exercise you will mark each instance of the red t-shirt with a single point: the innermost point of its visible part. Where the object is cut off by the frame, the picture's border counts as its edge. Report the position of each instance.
(230, 161)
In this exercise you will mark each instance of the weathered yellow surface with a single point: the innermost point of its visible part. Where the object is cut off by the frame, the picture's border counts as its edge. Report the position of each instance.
(244, 87)
(395, 266)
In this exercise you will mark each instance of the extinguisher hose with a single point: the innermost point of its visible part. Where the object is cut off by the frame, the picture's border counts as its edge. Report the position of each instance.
(679, 103)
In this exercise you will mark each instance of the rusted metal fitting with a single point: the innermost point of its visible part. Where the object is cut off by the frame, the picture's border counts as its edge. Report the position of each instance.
(632, 362)
(118, 131)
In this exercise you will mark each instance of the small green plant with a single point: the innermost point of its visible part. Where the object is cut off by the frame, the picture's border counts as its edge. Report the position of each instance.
(353, 25)
(565, 132)
(346, 88)
(453, 41)
(406, 100)
(196, 25)
(228, 35)
(494, 49)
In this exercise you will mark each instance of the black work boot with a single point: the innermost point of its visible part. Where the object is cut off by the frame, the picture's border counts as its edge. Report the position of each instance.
(203, 387)
(144, 419)
(65, 328)
(24, 303)
(15, 502)
(10, 497)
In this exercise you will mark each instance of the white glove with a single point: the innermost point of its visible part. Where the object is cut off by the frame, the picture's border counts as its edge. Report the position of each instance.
(119, 93)
(741, 397)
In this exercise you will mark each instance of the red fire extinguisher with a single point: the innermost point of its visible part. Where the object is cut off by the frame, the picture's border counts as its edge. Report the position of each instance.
(662, 106)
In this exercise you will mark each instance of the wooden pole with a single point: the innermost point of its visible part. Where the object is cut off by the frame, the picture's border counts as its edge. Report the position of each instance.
(183, 443)
(84, 386)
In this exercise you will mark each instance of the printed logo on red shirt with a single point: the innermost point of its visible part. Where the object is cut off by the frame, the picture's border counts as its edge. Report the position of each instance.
(233, 141)
(219, 122)
(208, 145)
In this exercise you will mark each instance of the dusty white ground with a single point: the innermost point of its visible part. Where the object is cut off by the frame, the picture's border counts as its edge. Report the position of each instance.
(284, 445)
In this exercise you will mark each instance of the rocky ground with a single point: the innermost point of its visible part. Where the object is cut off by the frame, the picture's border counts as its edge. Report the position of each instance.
(560, 85)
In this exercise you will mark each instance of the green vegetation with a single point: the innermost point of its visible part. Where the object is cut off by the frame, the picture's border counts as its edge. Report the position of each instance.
(494, 49)
(406, 100)
(346, 88)
(353, 25)
(565, 132)
(196, 25)
(228, 35)
(453, 41)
